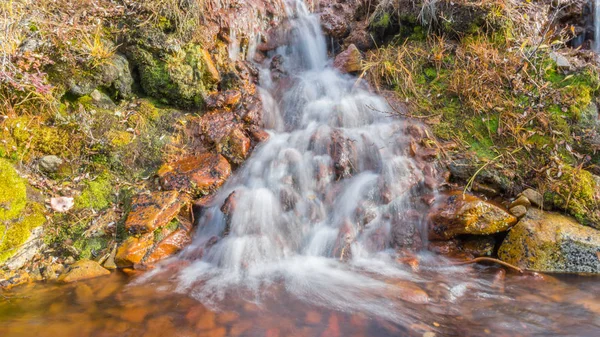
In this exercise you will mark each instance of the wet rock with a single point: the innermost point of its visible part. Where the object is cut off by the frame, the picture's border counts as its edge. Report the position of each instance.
(133, 250)
(520, 201)
(217, 124)
(258, 135)
(152, 211)
(50, 164)
(109, 263)
(348, 61)
(170, 245)
(198, 174)
(83, 270)
(519, 211)
(201, 204)
(534, 197)
(235, 146)
(457, 213)
(11, 279)
(344, 154)
(550, 242)
(477, 246)
(102, 100)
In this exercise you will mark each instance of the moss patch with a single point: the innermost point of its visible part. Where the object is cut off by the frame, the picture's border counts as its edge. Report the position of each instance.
(13, 195)
(97, 194)
(13, 234)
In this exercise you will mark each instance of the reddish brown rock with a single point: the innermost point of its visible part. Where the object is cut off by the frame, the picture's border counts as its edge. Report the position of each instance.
(258, 135)
(83, 270)
(235, 146)
(170, 245)
(456, 213)
(203, 203)
(217, 124)
(199, 174)
(133, 250)
(152, 211)
(348, 61)
(343, 153)
(334, 25)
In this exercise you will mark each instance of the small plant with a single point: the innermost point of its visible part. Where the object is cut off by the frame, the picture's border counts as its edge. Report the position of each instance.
(97, 49)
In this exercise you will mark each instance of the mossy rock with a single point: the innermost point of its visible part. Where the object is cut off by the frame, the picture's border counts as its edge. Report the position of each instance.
(14, 233)
(550, 242)
(13, 192)
(97, 194)
(577, 192)
(182, 78)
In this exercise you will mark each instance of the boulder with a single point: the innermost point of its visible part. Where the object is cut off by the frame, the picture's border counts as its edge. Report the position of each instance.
(520, 201)
(200, 174)
(83, 270)
(456, 213)
(348, 61)
(102, 100)
(152, 211)
(550, 242)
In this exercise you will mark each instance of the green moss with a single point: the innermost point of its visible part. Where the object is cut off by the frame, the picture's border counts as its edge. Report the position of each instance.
(383, 22)
(574, 192)
(13, 234)
(97, 194)
(13, 195)
(90, 248)
(181, 79)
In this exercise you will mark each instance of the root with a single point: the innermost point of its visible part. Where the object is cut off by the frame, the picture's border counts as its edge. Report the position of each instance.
(490, 259)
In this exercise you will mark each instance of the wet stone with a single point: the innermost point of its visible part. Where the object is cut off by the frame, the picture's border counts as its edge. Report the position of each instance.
(133, 250)
(457, 213)
(152, 211)
(170, 245)
(83, 270)
(235, 146)
(199, 174)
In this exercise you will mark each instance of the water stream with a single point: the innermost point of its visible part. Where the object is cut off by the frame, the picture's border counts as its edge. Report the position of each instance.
(306, 242)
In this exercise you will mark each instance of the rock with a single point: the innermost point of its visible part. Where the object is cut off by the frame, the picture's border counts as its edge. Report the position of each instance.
(27, 251)
(50, 164)
(455, 214)
(334, 25)
(133, 250)
(235, 146)
(83, 270)
(11, 279)
(550, 242)
(170, 245)
(534, 197)
(348, 61)
(561, 61)
(102, 100)
(110, 261)
(477, 246)
(152, 211)
(116, 76)
(343, 153)
(62, 204)
(200, 174)
(520, 201)
(519, 211)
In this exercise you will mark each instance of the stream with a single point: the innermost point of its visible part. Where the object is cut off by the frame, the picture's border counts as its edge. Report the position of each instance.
(302, 240)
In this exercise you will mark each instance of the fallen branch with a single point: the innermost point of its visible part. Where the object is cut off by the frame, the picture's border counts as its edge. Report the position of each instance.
(490, 259)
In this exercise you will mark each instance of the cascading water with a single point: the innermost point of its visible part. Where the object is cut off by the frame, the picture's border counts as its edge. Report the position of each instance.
(319, 208)
(330, 184)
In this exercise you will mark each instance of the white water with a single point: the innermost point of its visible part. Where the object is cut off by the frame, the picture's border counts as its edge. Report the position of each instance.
(328, 235)
(294, 218)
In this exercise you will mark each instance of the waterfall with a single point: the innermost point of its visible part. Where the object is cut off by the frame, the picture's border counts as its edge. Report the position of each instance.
(322, 204)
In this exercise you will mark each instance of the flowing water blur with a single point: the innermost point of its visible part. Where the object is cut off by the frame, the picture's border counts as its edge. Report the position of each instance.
(303, 246)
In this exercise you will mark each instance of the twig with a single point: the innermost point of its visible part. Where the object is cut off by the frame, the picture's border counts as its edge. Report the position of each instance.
(489, 259)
